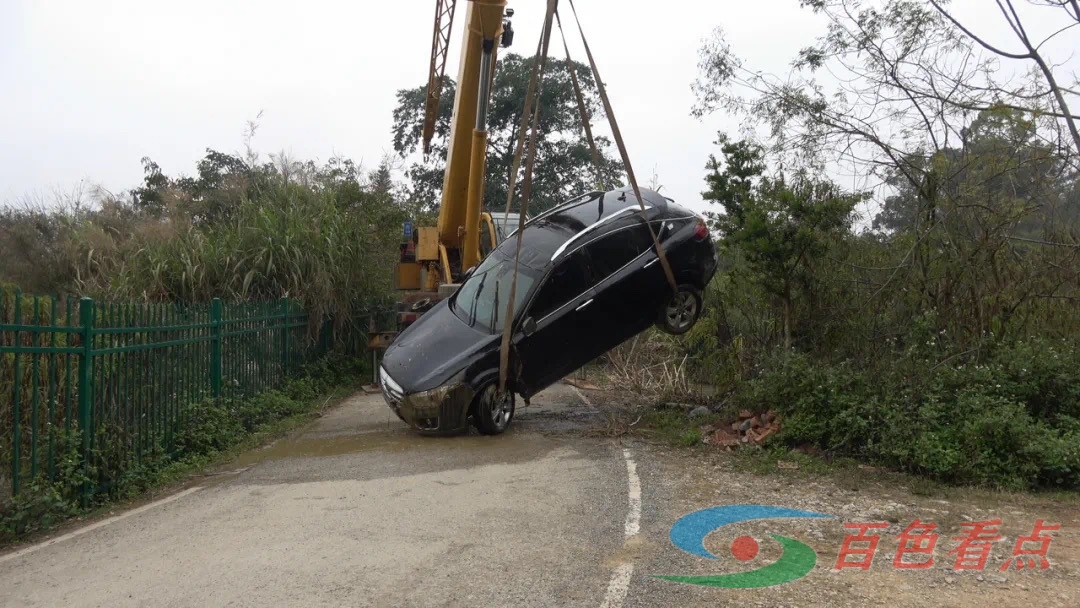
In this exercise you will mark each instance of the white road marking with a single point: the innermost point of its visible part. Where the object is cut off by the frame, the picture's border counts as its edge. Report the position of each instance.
(633, 517)
(95, 526)
(619, 585)
(581, 395)
(620, 579)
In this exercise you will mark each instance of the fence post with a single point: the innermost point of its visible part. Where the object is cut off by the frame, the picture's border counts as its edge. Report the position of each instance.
(16, 415)
(215, 347)
(86, 391)
(284, 338)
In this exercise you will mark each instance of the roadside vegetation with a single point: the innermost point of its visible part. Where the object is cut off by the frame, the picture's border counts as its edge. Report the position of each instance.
(217, 431)
(927, 321)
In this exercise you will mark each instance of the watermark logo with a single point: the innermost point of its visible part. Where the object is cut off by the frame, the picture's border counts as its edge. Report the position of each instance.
(915, 549)
(797, 560)
(918, 540)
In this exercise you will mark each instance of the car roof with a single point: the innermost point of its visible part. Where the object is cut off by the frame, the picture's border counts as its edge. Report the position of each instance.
(554, 231)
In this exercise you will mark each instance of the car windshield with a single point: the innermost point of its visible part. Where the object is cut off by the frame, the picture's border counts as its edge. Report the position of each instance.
(481, 299)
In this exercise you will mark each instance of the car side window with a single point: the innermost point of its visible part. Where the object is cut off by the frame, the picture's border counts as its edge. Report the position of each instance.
(612, 252)
(570, 278)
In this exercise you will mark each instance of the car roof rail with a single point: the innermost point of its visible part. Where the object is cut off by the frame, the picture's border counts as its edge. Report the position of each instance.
(574, 202)
(594, 195)
(592, 227)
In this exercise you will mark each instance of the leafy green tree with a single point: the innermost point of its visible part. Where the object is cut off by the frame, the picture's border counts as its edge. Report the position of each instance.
(973, 164)
(781, 226)
(1001, 156)
(222, 181)
(564, 166)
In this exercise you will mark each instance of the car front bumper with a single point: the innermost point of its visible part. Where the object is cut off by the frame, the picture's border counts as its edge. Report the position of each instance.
(437, 412)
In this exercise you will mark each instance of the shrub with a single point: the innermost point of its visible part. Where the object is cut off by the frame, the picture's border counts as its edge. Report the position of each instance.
(1010, 422)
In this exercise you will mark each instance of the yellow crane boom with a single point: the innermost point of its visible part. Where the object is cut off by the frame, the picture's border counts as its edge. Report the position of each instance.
(444, 252)
(463, 184)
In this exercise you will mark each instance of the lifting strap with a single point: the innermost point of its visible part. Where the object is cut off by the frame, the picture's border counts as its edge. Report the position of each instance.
(622, 151)
(532, 114)
(581, 110)
(526, 114)
(526, 188)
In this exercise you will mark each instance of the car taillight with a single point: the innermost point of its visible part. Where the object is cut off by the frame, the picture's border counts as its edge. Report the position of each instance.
(701, 231)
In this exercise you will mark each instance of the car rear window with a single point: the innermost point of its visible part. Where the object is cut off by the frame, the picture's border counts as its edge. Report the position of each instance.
(617, 249)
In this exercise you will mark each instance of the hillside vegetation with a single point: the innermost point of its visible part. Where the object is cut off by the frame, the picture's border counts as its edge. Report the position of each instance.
(938, 333)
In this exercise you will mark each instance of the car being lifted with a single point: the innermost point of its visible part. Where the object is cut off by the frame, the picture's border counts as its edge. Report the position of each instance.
(589, 279)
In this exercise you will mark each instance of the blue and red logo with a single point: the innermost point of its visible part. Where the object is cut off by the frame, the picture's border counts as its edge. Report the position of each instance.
(797, 560)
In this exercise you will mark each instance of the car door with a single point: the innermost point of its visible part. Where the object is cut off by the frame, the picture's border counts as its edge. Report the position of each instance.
(567, 325)
(651, 280)
(628, 284)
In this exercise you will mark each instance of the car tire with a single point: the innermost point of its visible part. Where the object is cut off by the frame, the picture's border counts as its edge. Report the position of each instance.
(681, 311)
(492, 416)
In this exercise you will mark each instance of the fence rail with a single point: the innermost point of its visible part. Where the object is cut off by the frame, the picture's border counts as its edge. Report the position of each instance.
(119, 376)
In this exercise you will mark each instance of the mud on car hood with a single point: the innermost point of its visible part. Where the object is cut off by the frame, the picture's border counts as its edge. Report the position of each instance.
(434, 348)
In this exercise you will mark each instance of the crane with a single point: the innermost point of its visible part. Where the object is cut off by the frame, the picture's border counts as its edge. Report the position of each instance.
(438, 256)
(435, 258)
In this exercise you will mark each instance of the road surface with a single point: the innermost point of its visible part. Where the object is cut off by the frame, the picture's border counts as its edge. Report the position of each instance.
(354, 510)
(358, 511)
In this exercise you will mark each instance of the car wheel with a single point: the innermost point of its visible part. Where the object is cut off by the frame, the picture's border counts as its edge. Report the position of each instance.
(681, 311)
(492, 414)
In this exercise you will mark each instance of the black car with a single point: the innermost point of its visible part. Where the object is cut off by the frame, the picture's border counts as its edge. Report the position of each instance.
(589, 278)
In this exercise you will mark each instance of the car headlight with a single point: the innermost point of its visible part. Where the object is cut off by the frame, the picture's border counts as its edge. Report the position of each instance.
(442, 392)
(387, 382)
(436, 395)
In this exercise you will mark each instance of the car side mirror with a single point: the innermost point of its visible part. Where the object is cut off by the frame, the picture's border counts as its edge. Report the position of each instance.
(528, 327)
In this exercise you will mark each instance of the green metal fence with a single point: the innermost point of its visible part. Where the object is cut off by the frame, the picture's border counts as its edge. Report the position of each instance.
(120, 376)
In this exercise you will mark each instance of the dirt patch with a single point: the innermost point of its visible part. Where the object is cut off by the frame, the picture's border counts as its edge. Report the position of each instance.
(692, 479)
(683, 480)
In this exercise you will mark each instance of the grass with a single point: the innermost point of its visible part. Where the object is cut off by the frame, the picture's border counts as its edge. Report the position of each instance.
(672, 426)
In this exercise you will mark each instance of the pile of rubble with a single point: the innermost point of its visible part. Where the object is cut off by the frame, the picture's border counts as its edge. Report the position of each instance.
(750, 428)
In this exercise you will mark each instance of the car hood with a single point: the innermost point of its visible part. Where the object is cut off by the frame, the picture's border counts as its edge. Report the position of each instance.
(434, 348)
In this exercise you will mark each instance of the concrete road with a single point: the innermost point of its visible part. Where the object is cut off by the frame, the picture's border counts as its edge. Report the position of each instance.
(357, 511)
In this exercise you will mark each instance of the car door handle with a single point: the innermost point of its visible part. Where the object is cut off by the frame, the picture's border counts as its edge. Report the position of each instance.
(587, 302)
(655, 260)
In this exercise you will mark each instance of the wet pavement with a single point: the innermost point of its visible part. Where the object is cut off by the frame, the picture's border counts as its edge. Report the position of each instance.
(356, 510)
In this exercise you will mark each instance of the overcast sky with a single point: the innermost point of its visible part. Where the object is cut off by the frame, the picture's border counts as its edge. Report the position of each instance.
(92, 86)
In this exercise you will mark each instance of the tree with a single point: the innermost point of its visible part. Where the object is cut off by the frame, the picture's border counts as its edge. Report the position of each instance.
(564, 166)
(1059, 95)
(781, 226)
(972, 162)
(222, 182)
(1001, 155)
(901, 81)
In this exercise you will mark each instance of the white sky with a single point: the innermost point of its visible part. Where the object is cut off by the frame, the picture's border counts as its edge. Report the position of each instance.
(91, 86)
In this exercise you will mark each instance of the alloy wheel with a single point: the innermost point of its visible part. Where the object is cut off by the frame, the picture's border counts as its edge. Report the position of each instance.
(500, 409)
(682, 310)
(494, 412)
